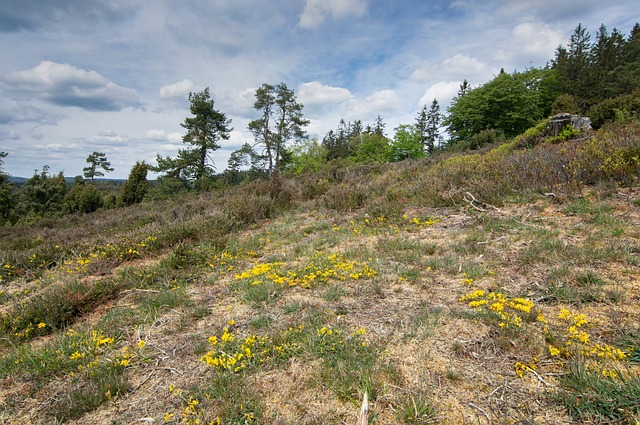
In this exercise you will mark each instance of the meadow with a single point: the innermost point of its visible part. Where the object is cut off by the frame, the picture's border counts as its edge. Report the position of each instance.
(498, 286)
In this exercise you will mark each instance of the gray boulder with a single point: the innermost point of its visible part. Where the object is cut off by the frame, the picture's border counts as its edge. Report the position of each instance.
(560, 121)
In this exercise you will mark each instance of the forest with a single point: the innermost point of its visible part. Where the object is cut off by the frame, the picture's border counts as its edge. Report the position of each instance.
(479, 266)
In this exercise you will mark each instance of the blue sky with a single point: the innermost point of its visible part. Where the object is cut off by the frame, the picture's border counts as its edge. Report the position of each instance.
(79, 76)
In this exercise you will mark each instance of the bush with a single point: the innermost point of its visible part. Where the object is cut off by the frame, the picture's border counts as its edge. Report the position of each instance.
(565, 103)
(533, 135)
(617, 109)
(136, 186)
(84, 198)
(479, 140)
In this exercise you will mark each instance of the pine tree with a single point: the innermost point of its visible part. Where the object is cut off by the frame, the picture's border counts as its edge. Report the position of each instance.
(205, 129)
(96, 160)
(432, 133)
(281, 122)
(464, 89)
(207, 126)
(42, 195)
(379, 127)
(573, 67)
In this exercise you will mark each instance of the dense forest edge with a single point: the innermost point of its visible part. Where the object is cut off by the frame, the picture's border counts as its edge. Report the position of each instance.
(489, 276)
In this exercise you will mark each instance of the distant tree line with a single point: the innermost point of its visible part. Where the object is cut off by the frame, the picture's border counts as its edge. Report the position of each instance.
(599, 79)
(50, 195)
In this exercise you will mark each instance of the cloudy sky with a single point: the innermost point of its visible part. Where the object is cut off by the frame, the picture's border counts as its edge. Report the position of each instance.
(79, 76)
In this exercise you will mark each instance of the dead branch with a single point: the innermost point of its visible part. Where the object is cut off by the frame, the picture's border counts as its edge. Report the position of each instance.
(471, 200)
(363, 418)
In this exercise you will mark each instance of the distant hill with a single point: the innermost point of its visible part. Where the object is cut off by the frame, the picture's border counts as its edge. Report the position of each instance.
(17, 180)
(69, 180)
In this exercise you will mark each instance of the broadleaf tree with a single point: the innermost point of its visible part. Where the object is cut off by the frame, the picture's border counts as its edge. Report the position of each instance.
(406, 144)
(510, 103)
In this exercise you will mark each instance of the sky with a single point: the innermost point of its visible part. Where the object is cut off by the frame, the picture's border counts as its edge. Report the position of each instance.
(113, 76)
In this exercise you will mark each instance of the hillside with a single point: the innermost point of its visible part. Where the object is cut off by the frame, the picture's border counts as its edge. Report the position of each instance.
(495, 287)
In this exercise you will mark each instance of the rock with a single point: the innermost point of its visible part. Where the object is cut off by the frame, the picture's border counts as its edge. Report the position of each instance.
(560, 121)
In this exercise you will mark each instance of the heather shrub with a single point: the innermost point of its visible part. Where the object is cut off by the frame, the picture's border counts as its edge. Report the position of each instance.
(251, 203)
(344, 197)
(533, 135)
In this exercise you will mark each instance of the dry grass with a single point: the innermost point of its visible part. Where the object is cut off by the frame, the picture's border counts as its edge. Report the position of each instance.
(353, 295)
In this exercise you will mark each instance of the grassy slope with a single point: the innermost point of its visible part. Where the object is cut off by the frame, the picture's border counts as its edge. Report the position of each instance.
(357, 286)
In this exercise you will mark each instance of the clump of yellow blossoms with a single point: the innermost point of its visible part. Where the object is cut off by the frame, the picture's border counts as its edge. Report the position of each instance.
(321, 269)
(229, 353)
(577, 341)
(510, 312)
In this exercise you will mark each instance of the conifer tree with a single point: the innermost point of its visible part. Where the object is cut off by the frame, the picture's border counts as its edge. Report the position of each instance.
(6, 191)
(136, 186)
(96, 160)
(281, 122)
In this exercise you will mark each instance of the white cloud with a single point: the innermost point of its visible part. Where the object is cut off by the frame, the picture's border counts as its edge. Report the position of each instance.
(158, 135)
(9, 135)
(375, 104)
(162, 136)
(181, 90)
(174, 137)
(66, 85)
(443, 91)
(53, 146)
(109, 138)
(536, 40)
(547, 9)
(458, 66)
(240, 102)
(316, 11)
(314, 93)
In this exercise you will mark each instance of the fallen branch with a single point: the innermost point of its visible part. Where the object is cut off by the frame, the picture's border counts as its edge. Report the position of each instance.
(471, 200)
(485, 413)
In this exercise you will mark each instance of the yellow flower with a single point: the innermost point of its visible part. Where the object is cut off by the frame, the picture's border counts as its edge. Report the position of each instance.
(564, 314)
(42, 325)
(76, 355)
(141, 344)
(226, 336)
(553, 350)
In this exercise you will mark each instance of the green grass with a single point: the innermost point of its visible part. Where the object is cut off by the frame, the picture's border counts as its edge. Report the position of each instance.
(152, 304)
(588, 396)
(425, 321)
(259, 323)
(258, 295)
(196, 244)
(334, 292)
(85, 395)
(415, 408)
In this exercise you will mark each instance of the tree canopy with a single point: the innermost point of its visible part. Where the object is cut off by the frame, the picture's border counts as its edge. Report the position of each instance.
(204, 130)
(281, 122)
(97, 161)
(510, 103)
